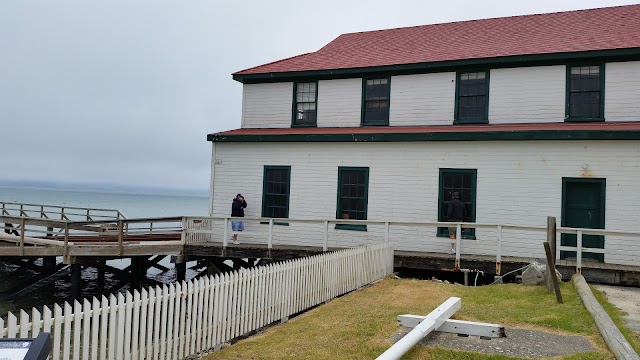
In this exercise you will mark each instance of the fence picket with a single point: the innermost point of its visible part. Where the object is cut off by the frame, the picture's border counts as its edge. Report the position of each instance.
(135, 338)
(156, 323)
(36, 322)
(150, 311)
(104, 323)
(176, 320)
(12, 323)
(57, 332)
(163, 322)
(68, 318)
(24, 324)
(170, 318)
(95, 322)
(77, 316)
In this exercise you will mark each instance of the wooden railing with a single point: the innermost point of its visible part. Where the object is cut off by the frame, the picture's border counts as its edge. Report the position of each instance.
(55, 212)
(499, 240)
(113, 236)
(182, 319)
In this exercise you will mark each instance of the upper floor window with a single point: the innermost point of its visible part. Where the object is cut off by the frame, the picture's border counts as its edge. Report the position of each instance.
(375, 103)
(584, 92)
(305, 97)
(353, 192)
(472, 97)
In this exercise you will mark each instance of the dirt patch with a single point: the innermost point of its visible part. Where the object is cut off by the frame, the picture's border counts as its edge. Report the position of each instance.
(626, 299)
(524, 343)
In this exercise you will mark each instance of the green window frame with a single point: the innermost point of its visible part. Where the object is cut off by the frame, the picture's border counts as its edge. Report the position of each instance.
(376, 95)
(585, 92)
(276, 186)
(353, 196)
(305, 104)
(463, 181)
(472, 97)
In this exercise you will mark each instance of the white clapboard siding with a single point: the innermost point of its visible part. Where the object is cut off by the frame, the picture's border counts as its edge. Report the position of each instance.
(527, 95)
(181, 319)
(267, 105)
(518, 182)
(621, 91)
(339, 102)
(423, 99)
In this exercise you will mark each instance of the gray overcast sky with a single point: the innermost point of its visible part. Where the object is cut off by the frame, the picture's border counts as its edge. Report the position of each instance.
(125, 91)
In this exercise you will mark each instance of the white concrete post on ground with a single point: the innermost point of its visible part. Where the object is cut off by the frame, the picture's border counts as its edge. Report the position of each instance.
(460, 327)
(433, 321)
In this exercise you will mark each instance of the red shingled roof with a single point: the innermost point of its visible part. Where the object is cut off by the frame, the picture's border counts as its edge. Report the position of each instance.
(611, 126)
(572, 31)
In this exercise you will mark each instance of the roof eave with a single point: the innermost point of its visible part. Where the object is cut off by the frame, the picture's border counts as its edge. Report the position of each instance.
(624, 54)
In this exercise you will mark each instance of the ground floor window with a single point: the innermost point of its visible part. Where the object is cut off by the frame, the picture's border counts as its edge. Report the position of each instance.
(462, 181)
(275, 191)
(353, 191)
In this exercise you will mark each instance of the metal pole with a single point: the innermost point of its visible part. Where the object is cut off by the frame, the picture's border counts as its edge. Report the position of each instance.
(270, 243)
(225, 232)
(458, 236)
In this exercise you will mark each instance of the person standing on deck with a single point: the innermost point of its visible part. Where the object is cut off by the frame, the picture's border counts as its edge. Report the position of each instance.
(455, 213)
(237, 210)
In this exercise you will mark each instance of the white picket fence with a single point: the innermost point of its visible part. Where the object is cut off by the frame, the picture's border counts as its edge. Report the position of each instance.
(182, 319)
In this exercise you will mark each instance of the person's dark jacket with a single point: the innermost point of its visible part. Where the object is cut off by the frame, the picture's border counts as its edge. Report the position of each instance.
(237, 208)
(456, 211)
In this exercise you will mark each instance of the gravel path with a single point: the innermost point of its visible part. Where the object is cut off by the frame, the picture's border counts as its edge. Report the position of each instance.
(522, 343)
(626, 299)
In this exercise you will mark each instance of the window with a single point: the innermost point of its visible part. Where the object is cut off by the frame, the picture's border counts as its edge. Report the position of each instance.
(584, 92)
(472, 97)
(275, 191)
(462, 181)
(305, 97)
(353, 189)
(375, 104)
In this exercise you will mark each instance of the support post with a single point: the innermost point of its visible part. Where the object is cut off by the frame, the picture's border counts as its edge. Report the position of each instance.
(579, 252)
(270, 241)
(76, 280)
(499, 250)
(551, 235)
(325, 243)
(120, 237)
(551, 271)
(458, 237)
(49, 264)
(181, 270)
(100, 278)
(225, 233)
(22, 225)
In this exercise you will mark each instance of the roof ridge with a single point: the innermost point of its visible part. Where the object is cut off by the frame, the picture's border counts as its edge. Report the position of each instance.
(273, 62)
(485, 19)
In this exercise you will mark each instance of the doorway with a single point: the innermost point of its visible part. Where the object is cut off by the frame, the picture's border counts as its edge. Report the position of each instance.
(583, 206)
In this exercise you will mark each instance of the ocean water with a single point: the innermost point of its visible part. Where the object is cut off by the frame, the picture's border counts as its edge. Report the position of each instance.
(131, 205)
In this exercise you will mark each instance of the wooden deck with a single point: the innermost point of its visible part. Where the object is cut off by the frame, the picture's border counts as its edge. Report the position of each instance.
(592, 270)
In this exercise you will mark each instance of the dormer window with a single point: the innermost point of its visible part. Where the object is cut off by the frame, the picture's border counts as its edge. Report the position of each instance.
(584, 93)
(305, 97)
(472, 97)
(375, 104)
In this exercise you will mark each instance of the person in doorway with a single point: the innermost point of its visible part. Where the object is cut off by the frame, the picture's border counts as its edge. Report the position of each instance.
(455, 213)
(237, 210)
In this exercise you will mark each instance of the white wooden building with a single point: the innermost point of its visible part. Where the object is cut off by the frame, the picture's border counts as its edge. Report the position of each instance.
(526, 117)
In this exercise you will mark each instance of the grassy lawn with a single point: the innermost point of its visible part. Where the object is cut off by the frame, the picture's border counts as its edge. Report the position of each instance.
(359, 325)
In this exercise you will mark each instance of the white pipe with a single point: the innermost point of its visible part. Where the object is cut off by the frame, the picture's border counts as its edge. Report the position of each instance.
(434, 320)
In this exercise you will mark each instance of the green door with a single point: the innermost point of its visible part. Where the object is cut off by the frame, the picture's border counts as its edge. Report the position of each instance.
(583, 207)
